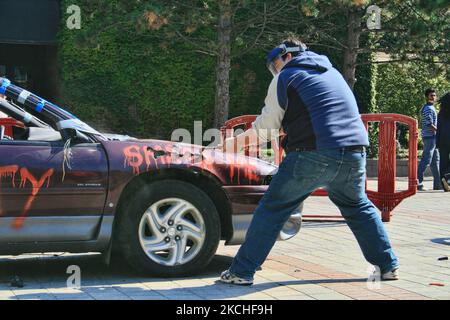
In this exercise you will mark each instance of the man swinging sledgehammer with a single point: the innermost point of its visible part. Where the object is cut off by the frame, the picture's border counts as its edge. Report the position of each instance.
(325, 147)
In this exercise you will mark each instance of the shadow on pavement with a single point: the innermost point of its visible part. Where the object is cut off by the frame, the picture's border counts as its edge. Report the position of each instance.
(47, 271)
(48, 266)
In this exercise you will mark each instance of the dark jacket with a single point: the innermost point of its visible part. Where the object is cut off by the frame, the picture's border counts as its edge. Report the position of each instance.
(443, 132)
(320, 108)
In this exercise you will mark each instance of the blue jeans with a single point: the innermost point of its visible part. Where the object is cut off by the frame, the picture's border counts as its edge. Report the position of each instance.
(430, 157)
(342, 173)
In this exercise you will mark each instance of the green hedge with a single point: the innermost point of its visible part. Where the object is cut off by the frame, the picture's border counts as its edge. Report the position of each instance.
(123, 80)
(127, 82)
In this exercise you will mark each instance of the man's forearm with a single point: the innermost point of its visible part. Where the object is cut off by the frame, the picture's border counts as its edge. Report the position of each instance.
(245, 139)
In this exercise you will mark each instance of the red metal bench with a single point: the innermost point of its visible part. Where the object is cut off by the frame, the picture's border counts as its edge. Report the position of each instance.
(386, 198)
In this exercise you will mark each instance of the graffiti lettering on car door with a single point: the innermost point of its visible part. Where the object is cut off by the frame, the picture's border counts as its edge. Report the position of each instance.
(25, 176)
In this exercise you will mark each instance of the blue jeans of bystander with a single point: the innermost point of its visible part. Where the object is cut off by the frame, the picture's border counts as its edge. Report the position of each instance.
(430, 157)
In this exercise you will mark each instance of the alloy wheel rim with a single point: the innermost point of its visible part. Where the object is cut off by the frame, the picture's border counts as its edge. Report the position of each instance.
(172, 232)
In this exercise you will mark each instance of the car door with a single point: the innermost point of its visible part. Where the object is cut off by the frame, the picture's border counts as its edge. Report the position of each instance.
(49, 192)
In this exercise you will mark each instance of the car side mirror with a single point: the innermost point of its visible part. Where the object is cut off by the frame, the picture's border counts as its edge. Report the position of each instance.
(74, 135)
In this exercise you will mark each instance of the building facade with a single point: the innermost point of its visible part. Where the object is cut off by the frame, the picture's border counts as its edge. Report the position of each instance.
(28, 44)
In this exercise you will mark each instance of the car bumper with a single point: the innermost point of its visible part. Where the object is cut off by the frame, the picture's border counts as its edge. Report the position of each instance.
(244, 200)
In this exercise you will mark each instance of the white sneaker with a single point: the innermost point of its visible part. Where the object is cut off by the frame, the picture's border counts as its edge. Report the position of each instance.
(391, 275)
(228, 277)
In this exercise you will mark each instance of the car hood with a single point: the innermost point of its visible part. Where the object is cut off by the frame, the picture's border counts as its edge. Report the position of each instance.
(215, 156)
(140, 156)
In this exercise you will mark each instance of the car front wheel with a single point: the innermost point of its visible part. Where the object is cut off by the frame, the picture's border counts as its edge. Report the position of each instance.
(169, 228)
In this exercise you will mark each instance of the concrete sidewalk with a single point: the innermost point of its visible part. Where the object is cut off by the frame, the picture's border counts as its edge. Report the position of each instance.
(322, 262)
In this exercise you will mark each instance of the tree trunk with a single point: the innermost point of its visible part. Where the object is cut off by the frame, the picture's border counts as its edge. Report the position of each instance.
(351, 51)
(223, 65)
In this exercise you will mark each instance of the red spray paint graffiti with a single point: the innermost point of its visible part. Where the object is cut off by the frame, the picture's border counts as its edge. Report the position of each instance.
(238, 164)
(25, 176)
(167, 155)
(9, 172)
(133, 158)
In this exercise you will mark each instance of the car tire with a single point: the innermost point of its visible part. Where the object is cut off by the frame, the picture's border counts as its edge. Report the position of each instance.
(174, 217)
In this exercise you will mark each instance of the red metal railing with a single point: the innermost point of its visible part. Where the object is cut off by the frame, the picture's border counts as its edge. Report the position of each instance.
(386, 198)
(9, 123)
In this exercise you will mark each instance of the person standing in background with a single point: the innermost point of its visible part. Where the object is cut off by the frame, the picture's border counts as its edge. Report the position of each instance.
(443, 139)
(430, 155)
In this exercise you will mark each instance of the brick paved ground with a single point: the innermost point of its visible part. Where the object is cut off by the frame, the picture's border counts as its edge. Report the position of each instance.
(322, 262)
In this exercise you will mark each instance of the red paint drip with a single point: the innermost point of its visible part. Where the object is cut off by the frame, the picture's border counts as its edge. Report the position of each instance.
(26, 176)
(231, 172)
(149, 157)
(249, 171)
(9, 172)
(133, 158)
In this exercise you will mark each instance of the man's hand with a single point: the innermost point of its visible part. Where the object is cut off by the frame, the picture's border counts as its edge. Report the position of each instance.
(236, 144)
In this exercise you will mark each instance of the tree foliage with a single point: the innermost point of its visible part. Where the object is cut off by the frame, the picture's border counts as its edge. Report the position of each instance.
(401, 87)
(148, 67)
(129, 78)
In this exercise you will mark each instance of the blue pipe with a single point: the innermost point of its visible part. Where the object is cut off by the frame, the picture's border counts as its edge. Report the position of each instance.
(34, 103)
